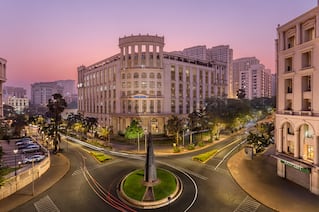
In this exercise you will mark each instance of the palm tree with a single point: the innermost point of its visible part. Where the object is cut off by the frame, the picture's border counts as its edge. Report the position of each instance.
(56, 106)
(104, 132)
(90, 123)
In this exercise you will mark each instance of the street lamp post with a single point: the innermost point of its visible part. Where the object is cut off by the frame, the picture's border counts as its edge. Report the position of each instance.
(15, 151)
(138, 142)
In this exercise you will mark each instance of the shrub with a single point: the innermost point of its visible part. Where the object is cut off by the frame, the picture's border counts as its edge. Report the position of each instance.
(201, 144)
(191, 147)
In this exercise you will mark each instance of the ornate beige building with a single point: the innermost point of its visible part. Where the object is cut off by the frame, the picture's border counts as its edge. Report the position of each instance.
(3, 78)
(144, 82)
(297, 118)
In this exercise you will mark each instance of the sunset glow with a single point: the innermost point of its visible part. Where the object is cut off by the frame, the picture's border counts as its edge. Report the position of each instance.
(48, 40)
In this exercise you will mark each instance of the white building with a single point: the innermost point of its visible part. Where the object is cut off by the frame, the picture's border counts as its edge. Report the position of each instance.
(19, 104)
(3, 78)
(241, 65)
(143, 82)
(256, 81)
(297, 118)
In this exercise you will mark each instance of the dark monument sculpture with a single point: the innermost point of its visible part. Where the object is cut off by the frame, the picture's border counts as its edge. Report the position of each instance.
(150, 175)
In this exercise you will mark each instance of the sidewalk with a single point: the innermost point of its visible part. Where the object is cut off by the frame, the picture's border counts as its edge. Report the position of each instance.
(59, 167)
(258, 177)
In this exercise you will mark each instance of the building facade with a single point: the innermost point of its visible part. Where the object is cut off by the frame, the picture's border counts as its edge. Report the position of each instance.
(256, 82)
(241, 65)
(19, 104)
(224, 53)
(143, 82)
(297, 118)
(9, 91)
(41, 92)
(3, 78)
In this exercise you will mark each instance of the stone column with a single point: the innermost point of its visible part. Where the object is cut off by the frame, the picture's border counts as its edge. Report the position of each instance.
(316, 151)
(281, 41)
(298, 34)
(297, 144)
(317, 24)
(280, 140)
(147, 55)
(139, 54)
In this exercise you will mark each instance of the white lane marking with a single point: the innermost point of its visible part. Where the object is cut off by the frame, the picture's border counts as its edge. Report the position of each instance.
(248, 205)
(233, 149)
(46, 205)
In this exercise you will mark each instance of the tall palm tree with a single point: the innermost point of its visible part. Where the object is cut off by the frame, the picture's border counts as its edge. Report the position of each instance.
(56, 106)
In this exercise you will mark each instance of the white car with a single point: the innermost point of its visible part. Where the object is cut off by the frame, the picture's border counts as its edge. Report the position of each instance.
(31, 148)
(35, 158)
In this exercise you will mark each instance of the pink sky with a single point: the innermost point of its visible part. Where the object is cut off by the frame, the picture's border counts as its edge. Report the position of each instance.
(47, 40)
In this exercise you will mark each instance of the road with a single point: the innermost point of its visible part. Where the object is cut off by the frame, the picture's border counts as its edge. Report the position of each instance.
(90, 186)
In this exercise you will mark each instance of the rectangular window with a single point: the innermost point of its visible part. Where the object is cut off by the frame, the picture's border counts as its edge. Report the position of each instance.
(173, 106)
(306, 60)
(306, 83)
(288, 64)
(309, 34)
(291, 42)
(309, 152)
(173, 73)
(306, 105)
(288, 85)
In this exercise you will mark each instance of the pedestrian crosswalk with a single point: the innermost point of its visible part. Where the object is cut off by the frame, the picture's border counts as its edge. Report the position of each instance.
(45, 204)
(248, 205)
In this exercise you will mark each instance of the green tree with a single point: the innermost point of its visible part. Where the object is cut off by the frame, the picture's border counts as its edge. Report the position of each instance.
(134, 130)
(175, 126)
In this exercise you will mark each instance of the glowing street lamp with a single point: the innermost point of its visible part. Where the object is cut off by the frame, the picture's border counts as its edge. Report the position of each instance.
(15, 151)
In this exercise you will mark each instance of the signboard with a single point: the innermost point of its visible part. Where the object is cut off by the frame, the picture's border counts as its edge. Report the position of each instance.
(296, 166)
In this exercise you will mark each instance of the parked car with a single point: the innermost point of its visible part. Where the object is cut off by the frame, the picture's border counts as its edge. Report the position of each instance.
(35, 158)
(24, 142)
(31, 148)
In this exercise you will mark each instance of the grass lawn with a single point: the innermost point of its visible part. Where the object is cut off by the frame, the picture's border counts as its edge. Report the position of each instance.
(100, 156)
(134, 188)
(205, 156)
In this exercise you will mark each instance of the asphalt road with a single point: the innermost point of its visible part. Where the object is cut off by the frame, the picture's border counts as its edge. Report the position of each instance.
(90, 186)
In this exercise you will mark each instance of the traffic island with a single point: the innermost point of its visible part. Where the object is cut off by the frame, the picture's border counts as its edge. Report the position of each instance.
(138, 193)
(151, 187)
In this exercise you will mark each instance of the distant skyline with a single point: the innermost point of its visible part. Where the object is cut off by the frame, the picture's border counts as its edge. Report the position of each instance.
(45, 41)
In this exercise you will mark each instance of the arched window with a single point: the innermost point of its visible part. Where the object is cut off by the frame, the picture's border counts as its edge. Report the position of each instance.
(135, 75)
(159, 76)
(144, 75)
(152, 75)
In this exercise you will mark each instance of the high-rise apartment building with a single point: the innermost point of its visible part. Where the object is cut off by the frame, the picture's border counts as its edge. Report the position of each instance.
(196, 52)
(18, 92)
(3, 78)
(297, 117)
(224, 53)
(256, 82)
(41, 92)
(221, 53)
(145, 83)
(241, 65)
